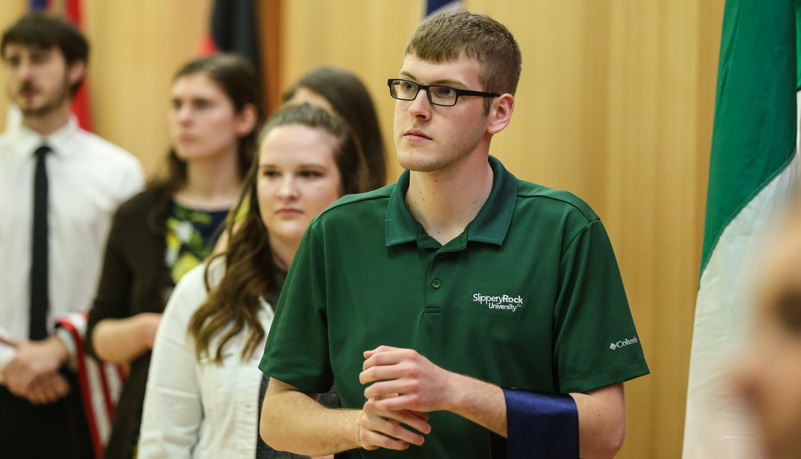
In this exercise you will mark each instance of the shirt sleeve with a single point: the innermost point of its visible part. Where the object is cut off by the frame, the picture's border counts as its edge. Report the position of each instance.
(296, 351)
(132, 181)
(173, 410)
(7, 353)
(112, 300)
(596, 343)
(64, 336)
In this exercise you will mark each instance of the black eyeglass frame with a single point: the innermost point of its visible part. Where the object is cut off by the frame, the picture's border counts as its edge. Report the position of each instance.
(459, 92)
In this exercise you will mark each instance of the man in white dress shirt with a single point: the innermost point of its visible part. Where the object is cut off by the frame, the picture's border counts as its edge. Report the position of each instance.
(85, 179)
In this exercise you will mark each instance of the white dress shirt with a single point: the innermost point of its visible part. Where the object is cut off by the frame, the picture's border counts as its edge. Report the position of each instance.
(200, 409)
(88, 178)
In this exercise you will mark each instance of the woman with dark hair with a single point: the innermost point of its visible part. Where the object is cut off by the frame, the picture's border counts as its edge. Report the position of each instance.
(165, 231)
(205, 389)
(342, 92)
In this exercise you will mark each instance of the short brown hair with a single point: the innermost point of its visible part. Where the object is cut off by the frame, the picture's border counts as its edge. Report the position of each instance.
(47, 31)
(443, 37)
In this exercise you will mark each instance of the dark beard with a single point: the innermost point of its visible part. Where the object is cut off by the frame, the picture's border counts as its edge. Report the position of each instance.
(48, 106)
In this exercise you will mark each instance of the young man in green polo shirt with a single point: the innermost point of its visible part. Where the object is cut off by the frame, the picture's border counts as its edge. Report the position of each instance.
(461, 312)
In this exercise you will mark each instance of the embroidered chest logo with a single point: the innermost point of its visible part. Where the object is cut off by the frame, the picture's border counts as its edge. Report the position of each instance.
(503, 302)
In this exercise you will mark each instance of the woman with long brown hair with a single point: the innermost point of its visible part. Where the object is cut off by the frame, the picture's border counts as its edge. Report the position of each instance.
(204, 392)
(163, 232)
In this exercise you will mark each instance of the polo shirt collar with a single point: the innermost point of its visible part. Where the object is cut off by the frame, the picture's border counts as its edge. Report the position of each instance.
(490, 225)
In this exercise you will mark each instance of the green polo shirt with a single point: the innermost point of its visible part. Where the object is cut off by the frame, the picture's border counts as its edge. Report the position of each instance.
(529, 296)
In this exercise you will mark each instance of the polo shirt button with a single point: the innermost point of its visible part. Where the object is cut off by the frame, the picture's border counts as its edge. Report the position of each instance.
(436, 283)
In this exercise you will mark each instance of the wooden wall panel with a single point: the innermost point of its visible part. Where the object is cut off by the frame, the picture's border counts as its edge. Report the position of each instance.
(138, 46)
(270, 25)
(365, 37)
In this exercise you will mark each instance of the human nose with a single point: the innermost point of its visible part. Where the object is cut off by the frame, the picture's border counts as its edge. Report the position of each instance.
(183, 113)
(420, 106)
(287, 189)
(24, 69)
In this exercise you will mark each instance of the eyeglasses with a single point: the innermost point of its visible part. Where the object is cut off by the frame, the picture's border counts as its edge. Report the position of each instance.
(445, 96)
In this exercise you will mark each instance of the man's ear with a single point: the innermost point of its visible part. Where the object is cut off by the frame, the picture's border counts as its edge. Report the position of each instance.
(76, 72)
(500, 113)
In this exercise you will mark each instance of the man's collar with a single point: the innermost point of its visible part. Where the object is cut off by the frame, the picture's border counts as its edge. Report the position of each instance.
(490, 225)
(64, 133)
(29, 139)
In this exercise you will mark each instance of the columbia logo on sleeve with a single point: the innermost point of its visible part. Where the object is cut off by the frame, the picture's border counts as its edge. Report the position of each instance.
(623, 343)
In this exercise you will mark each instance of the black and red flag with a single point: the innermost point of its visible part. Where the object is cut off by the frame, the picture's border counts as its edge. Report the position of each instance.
(233, 29)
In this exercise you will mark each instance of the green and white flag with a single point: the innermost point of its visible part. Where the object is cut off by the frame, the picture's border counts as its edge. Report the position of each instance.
(753, 169)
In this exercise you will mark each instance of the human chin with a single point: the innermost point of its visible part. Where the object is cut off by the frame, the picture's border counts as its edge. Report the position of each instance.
(190, 150)
(43, 100)
(182, 151)
(37, 105)
(32, 109)
(286, 231)
(417, 161)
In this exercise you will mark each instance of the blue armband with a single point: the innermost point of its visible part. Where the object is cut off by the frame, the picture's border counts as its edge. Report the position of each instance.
(541, 425)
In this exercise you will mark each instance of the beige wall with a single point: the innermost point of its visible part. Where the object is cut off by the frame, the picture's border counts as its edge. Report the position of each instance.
(615, 104)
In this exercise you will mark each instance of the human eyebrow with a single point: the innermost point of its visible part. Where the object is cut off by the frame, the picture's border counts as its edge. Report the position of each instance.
(406, 74)
(449, 82)
(312, 166)
(443, 82)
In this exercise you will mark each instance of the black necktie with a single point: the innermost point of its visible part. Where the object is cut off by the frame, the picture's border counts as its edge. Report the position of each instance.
(40, 292)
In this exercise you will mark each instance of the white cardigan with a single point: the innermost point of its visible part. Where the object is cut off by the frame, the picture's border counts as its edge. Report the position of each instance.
(199, 409)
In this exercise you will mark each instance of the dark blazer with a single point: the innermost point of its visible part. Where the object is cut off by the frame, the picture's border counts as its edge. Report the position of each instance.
(134, 279)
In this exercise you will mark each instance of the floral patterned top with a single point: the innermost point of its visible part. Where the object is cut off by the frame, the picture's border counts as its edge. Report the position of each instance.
(191, 235)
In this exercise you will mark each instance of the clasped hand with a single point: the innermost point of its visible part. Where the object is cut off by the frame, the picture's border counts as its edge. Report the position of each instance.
(406, 386)
(33, 372)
